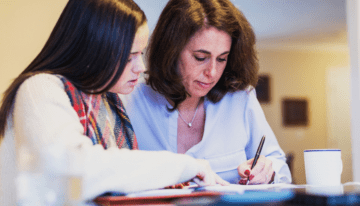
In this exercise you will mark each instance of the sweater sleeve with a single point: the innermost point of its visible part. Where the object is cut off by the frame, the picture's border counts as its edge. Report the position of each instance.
(43, 117)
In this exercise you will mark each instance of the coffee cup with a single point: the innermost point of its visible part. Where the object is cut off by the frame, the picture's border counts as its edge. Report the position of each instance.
(323, 166)
(325, 190)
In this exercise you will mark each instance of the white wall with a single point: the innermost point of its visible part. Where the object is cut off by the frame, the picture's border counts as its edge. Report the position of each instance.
(353, 22)
(338, 116)
(152, 9)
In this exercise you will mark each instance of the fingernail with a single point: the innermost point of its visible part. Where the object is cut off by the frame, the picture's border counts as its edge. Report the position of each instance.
(247, 172)
(251, 177)
(242, 182)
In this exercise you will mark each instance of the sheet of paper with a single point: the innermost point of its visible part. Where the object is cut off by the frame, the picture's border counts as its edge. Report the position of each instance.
(242, 188)
(232, 188)
(161, 192)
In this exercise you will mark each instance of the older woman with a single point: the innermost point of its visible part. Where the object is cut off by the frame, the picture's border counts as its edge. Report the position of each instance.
(199, 96)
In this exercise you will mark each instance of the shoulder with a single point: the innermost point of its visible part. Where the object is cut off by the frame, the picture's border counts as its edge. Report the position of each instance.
(142, 88)
(239, 97)
(45, 82)
(42, 87)
(145, 93)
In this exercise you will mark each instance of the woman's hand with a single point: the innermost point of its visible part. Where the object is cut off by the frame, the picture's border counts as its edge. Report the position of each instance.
(178, 186)
(262, 173)
(206, 176)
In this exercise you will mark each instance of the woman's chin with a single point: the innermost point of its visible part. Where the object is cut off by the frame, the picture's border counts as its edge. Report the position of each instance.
(123, 91)
(199, 94)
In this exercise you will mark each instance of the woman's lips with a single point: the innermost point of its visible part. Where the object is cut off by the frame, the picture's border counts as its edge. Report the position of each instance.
(203, 84)
(133, 82)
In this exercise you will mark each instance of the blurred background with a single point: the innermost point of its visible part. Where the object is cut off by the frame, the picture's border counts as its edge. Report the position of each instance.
(303, 53)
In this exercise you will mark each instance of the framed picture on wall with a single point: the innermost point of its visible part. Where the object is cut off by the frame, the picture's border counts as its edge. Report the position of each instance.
(263, 88)
(295, 112)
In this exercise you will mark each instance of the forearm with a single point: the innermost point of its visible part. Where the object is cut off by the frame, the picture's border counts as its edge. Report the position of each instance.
(127, 171)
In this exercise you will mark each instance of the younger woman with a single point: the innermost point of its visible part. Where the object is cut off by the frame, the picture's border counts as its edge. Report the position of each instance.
(67, 97)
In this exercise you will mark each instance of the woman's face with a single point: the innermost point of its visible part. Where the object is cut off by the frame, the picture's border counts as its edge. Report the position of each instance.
(203, 60)
(135, 65)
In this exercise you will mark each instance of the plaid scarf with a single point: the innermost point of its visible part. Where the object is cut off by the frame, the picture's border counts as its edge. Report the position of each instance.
(95, 112)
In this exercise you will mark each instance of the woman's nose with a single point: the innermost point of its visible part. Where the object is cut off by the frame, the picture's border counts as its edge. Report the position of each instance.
(211, 69)
(139, 66)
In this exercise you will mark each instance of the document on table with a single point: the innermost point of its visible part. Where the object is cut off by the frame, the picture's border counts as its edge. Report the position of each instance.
(161, 192)
(232, 188)
(242, 188)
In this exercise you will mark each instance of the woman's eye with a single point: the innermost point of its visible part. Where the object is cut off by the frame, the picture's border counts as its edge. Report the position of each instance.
(199, 58)
(221, 59)
(129, 60)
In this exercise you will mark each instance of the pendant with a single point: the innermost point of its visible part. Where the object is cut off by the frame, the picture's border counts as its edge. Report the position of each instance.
(189, 124)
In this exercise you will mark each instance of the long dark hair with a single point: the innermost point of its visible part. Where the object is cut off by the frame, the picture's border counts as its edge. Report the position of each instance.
(178, 22)
(88, 40)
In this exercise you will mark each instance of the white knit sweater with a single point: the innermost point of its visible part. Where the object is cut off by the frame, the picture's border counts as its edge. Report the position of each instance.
(43, 116)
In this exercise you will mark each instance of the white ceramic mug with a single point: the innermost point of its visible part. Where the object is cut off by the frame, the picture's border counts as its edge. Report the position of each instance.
(323, 166)
(325, 190)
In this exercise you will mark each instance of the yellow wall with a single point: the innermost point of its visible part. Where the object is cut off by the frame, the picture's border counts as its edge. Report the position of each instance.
(25, 26)
(303, 73)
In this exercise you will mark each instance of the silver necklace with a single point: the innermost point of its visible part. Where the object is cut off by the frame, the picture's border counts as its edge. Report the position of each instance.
(190, 123)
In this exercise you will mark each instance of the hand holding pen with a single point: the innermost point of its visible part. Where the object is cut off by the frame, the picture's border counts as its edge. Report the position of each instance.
(257, 170)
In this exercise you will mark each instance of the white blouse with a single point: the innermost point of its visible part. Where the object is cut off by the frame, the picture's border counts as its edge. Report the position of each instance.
(233, 129)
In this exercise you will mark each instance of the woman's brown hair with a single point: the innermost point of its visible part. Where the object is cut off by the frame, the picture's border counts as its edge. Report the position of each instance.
(178, 22)
(87, 42)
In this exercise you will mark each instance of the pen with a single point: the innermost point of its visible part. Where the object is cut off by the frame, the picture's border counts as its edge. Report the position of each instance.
(257, 155)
